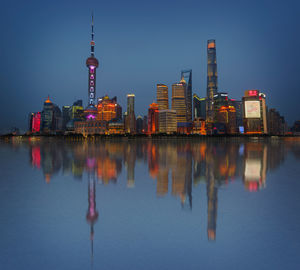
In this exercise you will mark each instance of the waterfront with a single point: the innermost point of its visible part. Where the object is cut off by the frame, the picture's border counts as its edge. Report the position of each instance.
(150, 204)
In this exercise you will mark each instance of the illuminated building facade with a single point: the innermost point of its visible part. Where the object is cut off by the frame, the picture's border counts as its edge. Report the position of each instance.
(199, 126)
(91, 127)
(130, 121)
(35, 122)
(199, 107)
(108, 109)
(254, 112)
(220, 99)
(187, 75)
(178, 101)
(92, 64)
(153, 118)
(212, 78)
(116, 128)
(227, 116)
(162, 96)
(167, 121)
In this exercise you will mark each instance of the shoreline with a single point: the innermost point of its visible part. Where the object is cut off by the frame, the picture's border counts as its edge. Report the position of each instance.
(97, 137)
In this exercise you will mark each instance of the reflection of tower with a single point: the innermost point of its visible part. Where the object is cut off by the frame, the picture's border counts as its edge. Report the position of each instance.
(212, 204)
(92, 63)
(92, 213)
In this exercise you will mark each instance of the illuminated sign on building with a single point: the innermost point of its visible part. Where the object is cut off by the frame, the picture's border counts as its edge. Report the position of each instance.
(252, 109)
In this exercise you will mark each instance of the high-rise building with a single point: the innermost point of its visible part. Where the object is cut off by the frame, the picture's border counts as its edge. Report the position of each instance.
(220, 100)
(227, 115)
(178, 101)
(130, 123)
(212, 78)
(254, 112)
(92, 64)
(145, 124)
(167, 121)
(139, 125)
(199, 107)
(162, 96)
(130, 103)
(153, 118)
(187, 75)
(35, 122)
(66, 115)
(108, 109)
(47, 115)
(276, 123)
(238, 105)
(51, 119)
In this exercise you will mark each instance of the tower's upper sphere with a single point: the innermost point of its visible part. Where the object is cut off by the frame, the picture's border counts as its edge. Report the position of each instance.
(92, 61)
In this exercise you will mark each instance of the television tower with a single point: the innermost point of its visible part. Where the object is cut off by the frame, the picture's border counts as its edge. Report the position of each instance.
(92, 64)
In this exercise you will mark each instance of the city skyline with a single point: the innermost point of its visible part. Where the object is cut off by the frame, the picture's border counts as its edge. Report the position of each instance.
(66, 82)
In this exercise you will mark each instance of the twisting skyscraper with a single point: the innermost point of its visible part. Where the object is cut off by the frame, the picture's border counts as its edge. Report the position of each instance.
(212, 78)
(92, 63)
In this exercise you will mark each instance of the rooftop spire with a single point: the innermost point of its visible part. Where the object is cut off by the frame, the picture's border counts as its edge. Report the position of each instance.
(92, 41)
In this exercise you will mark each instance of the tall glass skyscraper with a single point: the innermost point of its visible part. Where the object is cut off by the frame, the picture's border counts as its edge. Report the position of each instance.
(162, 96)
(212, 78)
(130, 118)
(178, 101)
(187, 75)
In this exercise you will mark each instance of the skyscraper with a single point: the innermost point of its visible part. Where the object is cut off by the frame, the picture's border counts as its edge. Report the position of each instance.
(199, 107)
(153, 118)
(254, 112)
(92, 64)
(187, 75)
(162, 96)
(212, 78)
(130, 103)
(178, 101)
(130, 125)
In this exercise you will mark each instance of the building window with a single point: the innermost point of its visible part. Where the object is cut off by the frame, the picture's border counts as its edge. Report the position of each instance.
(91, 82)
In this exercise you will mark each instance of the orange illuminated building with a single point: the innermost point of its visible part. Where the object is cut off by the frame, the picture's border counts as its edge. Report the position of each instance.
(108, 109)
(153, 115)
(227, 115)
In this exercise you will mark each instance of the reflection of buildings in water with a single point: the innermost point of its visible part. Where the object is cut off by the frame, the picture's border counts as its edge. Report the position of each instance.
(182, 174)
(36, 156)
(212, 162)
(92, 213)
(129, 160)
(255, 159)
(212, 204)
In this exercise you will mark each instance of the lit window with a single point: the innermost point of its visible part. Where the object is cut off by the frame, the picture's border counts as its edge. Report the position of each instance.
(91, 95)
(92, 77)
(92, 70)
(91, 82)
(91, 89)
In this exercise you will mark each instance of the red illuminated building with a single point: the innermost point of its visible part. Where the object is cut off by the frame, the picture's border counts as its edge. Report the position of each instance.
(35, 122)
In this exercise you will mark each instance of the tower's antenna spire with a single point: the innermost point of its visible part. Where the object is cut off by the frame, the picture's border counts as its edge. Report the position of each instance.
(92, 42)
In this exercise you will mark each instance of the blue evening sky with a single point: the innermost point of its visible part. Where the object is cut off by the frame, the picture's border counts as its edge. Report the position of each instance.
(44, 45)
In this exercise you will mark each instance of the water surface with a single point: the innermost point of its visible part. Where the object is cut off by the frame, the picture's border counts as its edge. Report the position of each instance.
(150, 204)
